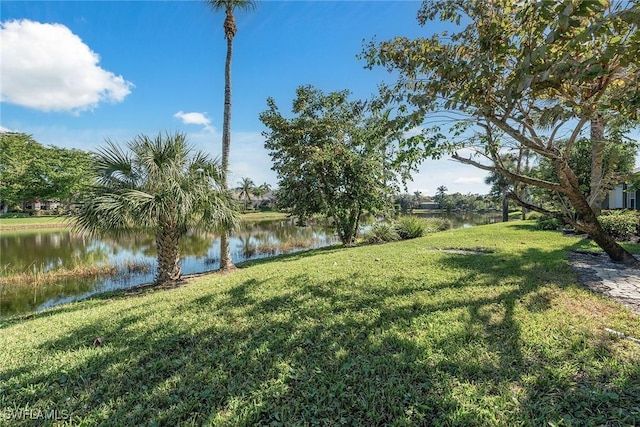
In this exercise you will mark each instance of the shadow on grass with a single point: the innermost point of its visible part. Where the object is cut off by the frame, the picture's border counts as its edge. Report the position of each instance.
(467, 343)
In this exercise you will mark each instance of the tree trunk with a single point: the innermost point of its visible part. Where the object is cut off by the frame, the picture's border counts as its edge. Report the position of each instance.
(505, 206)
(596, 192)
(225, 254)
(587, 220)
(167, 239)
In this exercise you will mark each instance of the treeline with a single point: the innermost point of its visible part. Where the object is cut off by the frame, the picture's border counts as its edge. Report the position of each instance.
(30, 171)
(449, 202)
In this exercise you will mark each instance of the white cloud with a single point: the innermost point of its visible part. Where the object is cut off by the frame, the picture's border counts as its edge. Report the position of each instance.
(5, 130)
(195, 119)
(469, 180)
(46, 67)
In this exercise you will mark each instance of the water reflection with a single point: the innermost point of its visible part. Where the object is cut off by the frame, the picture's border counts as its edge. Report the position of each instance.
(465, 219)
(52, 249)
(47, 250)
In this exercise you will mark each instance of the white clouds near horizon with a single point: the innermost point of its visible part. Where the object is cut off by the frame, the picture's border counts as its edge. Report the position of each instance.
(48, 68)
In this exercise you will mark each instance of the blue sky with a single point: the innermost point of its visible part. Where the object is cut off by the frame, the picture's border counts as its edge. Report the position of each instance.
(76, 73)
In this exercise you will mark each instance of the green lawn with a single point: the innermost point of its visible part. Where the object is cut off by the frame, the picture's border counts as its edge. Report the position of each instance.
(396, 334)
(39, 222)
(33, 222)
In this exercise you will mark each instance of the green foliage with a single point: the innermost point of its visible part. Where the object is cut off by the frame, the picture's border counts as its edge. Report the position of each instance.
(30, 171)
(247, 187)
(410, 227)
(158, 184)
(433, 225)
(534, 215)
(401, 334)
(381, 232)
(547, 222)
(406, 227)
(620, 224)
(522, 76)
(332, 158)
(618, 163)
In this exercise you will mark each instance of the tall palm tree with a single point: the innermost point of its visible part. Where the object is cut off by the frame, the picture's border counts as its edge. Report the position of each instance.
(229, 33)
(266, 187)
(246, 187)
(160, 185)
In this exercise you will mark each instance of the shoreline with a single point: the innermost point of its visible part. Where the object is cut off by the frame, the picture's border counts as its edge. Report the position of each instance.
(41, 223)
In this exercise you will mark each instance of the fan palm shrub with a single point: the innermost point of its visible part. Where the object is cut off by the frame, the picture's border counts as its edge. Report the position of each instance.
(160, 185)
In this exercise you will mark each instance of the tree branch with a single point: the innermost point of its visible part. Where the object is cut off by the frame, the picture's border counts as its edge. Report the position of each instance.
(513, 176)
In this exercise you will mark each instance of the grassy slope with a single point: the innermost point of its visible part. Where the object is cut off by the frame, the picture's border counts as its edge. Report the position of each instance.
(395, 334)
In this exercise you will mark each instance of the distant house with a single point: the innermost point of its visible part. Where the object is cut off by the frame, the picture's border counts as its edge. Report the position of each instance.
(623, 196)
(268, 200)
(40, 205)
(429, 205)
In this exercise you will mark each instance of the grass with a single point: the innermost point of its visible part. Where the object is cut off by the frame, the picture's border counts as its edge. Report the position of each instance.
(38, 275)
(33, 222)
(396, 334)
(39, 222)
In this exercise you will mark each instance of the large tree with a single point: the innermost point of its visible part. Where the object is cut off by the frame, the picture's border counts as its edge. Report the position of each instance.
(617, 162)
(332, 158)
(524, 76)
(30, 171)
(158, 184)
(230, 29)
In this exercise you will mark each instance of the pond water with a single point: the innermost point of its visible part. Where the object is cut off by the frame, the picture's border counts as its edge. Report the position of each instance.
(465, 219)
(134, 257)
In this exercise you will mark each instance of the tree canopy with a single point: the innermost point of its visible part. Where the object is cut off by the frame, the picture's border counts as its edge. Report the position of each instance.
(523, 76)
(31, 171)
(333, 157)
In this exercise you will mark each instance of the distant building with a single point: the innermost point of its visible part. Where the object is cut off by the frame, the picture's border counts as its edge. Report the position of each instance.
(40, 205)
(429, 205)
(623, 196)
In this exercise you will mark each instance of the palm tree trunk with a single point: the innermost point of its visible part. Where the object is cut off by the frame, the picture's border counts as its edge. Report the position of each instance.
(225, 254)
(167, 239)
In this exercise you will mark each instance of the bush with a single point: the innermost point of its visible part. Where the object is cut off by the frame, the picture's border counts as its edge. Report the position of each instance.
(381, 232)
(534, 215)
(410, 227)
(433, 225)
(621, 225)
(546, 222)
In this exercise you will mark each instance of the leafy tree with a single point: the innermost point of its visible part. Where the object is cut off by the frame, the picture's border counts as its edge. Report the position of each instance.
(524, 76)
(70, 174)
(246, 187)
(407, 202)
(230, 29)
(20, 160)
(161, 185)
(332, 158)
(30, 171)
(618, 161)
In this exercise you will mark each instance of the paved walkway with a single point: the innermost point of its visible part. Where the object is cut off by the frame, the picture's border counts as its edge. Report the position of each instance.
(597, 272)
